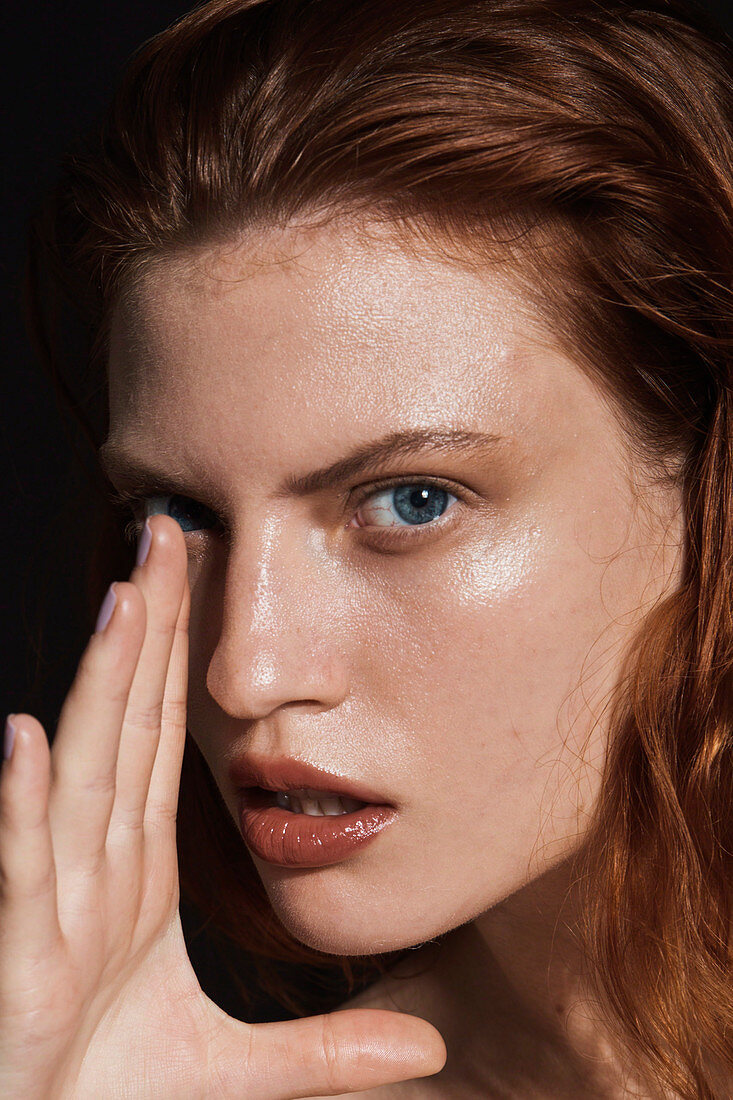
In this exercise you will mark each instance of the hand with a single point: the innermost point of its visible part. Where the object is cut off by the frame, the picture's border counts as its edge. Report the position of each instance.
(98, 997)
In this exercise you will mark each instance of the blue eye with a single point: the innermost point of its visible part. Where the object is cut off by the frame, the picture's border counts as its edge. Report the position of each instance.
(396, 506)
(188, 513)
(415, 504)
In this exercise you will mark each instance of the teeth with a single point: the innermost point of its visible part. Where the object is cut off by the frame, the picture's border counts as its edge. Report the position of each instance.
(331, 806)
(317, 803)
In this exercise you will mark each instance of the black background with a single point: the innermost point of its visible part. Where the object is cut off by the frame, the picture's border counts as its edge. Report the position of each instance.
(62, 62)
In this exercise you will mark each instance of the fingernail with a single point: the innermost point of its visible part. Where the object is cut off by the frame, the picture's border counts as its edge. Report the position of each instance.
(143, 546)
(9, 737)
(105, 611)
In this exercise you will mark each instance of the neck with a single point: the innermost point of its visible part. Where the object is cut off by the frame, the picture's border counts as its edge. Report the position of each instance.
(506, 992)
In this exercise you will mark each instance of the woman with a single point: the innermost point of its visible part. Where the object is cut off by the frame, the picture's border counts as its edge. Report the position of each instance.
(416, 320)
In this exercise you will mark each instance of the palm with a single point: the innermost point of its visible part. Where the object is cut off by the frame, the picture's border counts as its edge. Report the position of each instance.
(97, 993)
(145, 1032)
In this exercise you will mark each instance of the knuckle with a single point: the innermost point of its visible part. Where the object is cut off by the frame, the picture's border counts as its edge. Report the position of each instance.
(96, 862)
(20, 821)
(88, 868)
(174, 712)
(145, 716)
(329, 1050)
(161, 629)
(99, 785)
(68, 775)
(161, 820)
(126, 822)
(25, 885)
(161, 812)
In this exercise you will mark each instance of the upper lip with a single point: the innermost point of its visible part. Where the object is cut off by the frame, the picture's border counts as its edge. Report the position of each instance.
(286, 774)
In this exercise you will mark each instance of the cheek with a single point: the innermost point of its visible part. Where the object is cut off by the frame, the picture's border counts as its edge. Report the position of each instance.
(492, 667)
(498, 633)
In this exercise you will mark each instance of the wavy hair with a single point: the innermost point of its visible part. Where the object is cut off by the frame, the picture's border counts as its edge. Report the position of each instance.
(589, 144)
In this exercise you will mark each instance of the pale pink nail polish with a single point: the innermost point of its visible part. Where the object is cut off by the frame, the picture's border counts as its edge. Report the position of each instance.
(9, 740)
(143, 546)
(105, 611)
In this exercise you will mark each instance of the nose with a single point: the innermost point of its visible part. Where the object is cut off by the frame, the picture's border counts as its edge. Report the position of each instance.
(280, 640)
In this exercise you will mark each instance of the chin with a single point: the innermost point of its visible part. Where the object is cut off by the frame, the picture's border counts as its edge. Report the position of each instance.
(347, 920)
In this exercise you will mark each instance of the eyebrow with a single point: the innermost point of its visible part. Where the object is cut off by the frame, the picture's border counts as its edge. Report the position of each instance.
(396, 445)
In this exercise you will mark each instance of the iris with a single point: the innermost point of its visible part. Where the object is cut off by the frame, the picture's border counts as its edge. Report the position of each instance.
(181, 508)
(415, 504)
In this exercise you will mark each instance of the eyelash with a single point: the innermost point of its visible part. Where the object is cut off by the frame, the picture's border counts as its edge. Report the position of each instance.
(134, 502)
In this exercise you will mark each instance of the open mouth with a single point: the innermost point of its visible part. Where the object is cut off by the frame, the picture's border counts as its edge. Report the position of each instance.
(304, 800)
(307, 827)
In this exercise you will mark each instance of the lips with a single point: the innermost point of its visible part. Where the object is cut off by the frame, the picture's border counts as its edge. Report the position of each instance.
(297, 840)
(287, 774)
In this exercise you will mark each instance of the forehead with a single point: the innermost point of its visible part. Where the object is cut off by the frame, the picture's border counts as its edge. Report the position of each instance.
(318, 293)
(302, 327)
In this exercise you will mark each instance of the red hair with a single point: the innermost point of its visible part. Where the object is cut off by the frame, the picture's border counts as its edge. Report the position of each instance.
(589, 145)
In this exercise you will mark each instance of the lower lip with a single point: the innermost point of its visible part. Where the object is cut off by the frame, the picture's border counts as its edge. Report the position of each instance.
(288, 839)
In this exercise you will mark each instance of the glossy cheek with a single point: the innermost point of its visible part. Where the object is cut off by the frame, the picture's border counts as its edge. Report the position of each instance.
(479, 664)
(453, 649)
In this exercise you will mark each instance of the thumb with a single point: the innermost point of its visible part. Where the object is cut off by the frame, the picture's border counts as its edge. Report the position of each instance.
(327, 1055)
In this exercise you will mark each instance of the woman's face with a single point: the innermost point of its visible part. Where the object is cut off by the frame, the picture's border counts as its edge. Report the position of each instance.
(456, 664)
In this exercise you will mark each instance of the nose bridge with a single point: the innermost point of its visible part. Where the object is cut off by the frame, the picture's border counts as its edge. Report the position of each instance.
(277, 643)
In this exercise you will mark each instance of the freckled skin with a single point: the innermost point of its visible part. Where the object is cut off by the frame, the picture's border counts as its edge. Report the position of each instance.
(463, 674)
